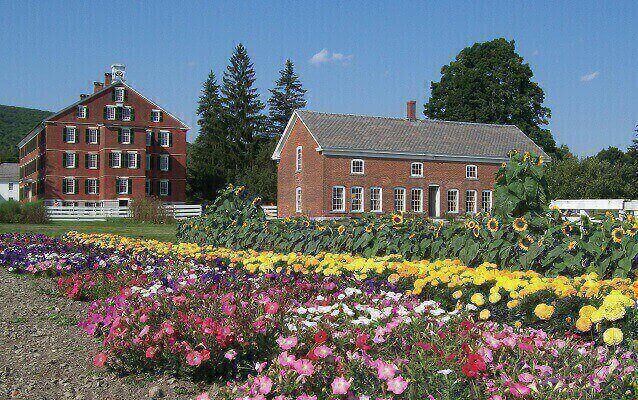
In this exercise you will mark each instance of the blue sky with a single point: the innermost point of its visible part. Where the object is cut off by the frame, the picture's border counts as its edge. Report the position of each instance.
(369, 57)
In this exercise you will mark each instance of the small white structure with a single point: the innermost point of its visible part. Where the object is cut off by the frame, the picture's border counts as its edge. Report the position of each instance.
(9, 177)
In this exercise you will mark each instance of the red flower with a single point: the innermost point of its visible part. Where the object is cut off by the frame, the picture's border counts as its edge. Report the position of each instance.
(99, 360)
(474, 365)
(321, 337)
(362, 341)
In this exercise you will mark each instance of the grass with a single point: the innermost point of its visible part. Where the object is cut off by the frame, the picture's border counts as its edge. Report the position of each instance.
(120, 226)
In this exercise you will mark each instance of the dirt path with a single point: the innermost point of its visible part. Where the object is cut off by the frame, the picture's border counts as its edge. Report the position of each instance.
(44, 355)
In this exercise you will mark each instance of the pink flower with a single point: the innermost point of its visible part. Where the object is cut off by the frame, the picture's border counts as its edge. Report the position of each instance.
(167, 327)
(272, 307)
(99, 360)
(150, 352)
(194, 358)
(286, 359)
(287, 343)
(496, 397)
(203, 396)
(230, 355)
(263, 384)
(323, 351)
(526, 377)
(144, 331)
(303, 367)
(385, 371)
(397, 385)
(306, 397)
(519, 390)
(340, 385)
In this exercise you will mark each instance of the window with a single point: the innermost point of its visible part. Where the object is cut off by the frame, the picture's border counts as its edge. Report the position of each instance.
(148, 162)
(119, 94)
(10, 185)
(164, 188)
(122, 186)
(149, 138)
(109, 112)
(68, 160)
(356, 167)
(356, 199)
(416, 170)
(69, 134)
(115, 159)
(68, 186)
(91, 161)
(470, 201)
(92, 186)
(298, 158)
(298, 200)
(83, 112)
(416, 199)
(125, 136)
(156, 116)
(132, 158)
(471, 172)
(486, 201)
(399, 199)
(147, 187)
(376, 203)
(127, 114)
(164, 162)
(453, 201)
(164, 138)
(92, 136)
(338, 199)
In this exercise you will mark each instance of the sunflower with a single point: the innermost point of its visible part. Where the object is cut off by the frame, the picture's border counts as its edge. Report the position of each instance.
(492, 225)
(539, 162)
(470, 224)
(239, 190)
(341, 229)
(369, 228)
(397, 219)
(520, 224)
(525, 242)
(526, 156)
(567, 228)
(256, 201)
(306, 223)
(571, 246)
(617, 234)
(503, 165)
(475, 231)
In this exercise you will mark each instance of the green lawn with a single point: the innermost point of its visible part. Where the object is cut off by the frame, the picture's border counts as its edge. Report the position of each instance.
(122, 227)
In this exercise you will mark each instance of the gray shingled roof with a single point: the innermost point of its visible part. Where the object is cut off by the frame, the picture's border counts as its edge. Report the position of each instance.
(9, 172)
(422, 137)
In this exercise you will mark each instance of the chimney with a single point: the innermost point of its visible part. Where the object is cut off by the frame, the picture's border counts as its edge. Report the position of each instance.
(97, 86)
(83, 96)
(108, 78)
(411, 110)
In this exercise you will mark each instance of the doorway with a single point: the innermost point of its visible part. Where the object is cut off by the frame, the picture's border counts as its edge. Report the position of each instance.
(434, 201)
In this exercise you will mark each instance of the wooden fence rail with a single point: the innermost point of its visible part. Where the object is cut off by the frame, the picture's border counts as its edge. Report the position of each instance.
(583, 207)
(101, 213)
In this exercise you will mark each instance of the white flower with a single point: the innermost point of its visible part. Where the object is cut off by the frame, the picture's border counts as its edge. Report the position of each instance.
(445, 372)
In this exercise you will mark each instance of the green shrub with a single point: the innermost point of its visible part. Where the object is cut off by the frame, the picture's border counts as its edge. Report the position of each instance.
(10, 212)
(521, 186)
(13, 212)
(149, 209)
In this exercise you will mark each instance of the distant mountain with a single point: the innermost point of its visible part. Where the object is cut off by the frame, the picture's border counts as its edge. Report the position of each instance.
(15, 123)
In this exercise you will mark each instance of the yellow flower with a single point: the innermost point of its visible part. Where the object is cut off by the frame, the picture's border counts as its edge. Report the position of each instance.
(613, 336)
(477, 299)
(540, 160)
(596, 316)
(397, 219)
(393, 278)
(484, 314)
(525, 242)
(492, 224)
(512, 304)
(617, 235)
(586, 311)
(518, 324)
(457, 295)
(369, 228)
(583, 324)
(341, 229)
(571, 246)
(520, 224)
(494, 297)
(543, 311)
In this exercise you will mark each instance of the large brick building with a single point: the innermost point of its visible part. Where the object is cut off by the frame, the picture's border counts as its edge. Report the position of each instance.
(111, 146)
(334, 165)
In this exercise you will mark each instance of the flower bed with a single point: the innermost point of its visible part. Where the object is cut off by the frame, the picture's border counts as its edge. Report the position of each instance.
(317, 333)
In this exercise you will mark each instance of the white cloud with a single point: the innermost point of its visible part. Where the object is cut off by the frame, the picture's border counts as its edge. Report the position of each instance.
(589, 77)
(324, 56)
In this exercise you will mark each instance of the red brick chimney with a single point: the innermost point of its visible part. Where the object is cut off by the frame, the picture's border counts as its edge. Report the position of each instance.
(97, 86)
(411, 110)
(108, 78)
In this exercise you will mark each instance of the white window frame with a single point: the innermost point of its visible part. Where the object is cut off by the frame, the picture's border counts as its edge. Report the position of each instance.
(92, 185)
(453, 203)
(156, 115)
(149, 138)
(127, 136)
(126, 117)
(91, 158)
(486, 206)
(468, 209)
(298, 199)
(357, 170)
(119, 163)
(164, 161)
(413, 203)
(121, 179)
(82, 111)
(471, 172)
(336, 197)
(357, 197)
(93, 139)
(129, 158)
(163, 138)
(73, 159)
(163, 190)
(399, 199)
(119, 94)
(70, 131)
(72, 180)
(110, 113)
(419, 173)
(298, 158)
(376, 204)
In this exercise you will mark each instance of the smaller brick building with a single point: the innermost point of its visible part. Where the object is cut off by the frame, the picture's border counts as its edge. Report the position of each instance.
(335, 165)
(111, 146)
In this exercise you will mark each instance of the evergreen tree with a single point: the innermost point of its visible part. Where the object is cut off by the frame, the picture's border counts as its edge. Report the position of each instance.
(286, 97)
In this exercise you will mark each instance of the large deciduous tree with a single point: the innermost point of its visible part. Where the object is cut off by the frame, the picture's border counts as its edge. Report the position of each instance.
(489, 82)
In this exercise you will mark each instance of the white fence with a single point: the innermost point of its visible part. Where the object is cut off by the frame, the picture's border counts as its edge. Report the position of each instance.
(583, 207)
(270, 211)
(102, 212)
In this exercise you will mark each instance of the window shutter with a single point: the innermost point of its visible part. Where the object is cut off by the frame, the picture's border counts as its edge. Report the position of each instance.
(111, 160)
(98, 136)
(169, 162)
(137, 161)
(117, 184)
(86, 186)
(118, 113)
(75, 160)
(64, 134)
(125, 94)
(64, 160)
(130, 186)
(159, 187)
(86, 161)
(170, 139)
(86, 111)
(132, 114)
(86, 135)
(169, 188)
(97, 185)
(75, 186)
(159, 162)
(161, 116)
(105, 112)
(113, 94)
(119, 135)
(132, 135)
(64, 186)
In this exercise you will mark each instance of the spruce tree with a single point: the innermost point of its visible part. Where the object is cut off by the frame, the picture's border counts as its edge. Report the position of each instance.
(286, 97)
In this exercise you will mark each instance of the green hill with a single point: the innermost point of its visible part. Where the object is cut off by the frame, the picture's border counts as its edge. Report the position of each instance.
(15, 122)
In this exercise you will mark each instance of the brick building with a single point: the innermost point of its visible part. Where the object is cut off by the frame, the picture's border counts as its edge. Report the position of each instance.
(111, 146)
(335, 165)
